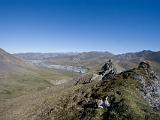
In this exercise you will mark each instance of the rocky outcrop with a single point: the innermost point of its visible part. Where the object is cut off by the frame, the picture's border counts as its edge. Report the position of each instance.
(108, 71)
(149, 85)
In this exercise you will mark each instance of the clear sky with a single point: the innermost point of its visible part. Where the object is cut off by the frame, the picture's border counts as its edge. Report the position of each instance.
(117, 26)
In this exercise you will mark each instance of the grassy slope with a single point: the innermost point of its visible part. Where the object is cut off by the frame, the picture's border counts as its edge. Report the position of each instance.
(17, 84)
(79, 101)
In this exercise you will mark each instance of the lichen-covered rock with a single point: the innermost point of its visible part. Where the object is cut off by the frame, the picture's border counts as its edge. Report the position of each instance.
(108, 71)
(149, 85)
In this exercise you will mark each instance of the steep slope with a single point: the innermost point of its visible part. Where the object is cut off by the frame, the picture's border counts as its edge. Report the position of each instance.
(125, 93)
(11, 64)
(19, 77)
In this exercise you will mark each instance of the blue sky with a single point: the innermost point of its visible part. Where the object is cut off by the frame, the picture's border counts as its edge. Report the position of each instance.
(117, 26)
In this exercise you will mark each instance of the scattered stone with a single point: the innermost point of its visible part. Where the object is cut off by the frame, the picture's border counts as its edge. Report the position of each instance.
(96, 77)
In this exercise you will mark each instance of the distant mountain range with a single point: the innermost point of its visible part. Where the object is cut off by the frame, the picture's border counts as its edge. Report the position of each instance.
(93, 60)
(41, 56)
(146, 54)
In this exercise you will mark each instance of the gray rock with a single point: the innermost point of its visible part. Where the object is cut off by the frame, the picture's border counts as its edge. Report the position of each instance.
(149, 86)
(108, 71)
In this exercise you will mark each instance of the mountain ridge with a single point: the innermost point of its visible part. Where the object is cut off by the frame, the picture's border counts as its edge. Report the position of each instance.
(132, 93)
(81, 100)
